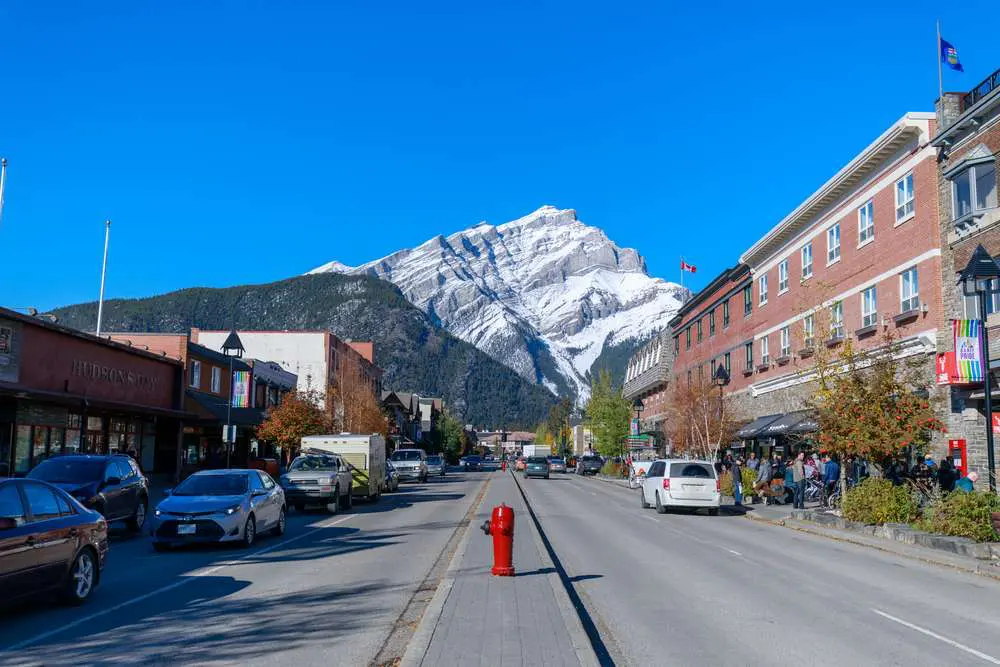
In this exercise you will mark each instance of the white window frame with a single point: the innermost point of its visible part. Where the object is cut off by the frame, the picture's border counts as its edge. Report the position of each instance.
(869, 307)
(905, 199)
(807, 266)
(833, 244)
(866, 223)
(786, 342)
(809, 330)
(783, 276)
(748, 356)
(970, 171)
(762, 288)
(909, 290)
(194, 377)
(765, 356)
(216, 380)
(837, 320)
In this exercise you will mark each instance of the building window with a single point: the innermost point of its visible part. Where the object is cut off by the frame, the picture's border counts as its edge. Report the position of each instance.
(866, 223)
(699, 330)
(677, 344)
(748, 353)
(714, 364)
(833, 244)
(783, 276)
(747, 300)
(701, 373)
(765, 356)
(726, 363)
(194, 374)
(786, 342)
(725, 313)
(687, 338)
(971, 303)
(689, 378)
(216, 380)
(808, 330)
(711, 322)
(837, 320)
(763, 289)
(904, 196)
(869, 307)
(975, 189)
(807, 260)
(909, 291)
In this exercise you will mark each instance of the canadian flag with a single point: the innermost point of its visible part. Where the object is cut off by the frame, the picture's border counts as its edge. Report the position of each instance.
(687, 267)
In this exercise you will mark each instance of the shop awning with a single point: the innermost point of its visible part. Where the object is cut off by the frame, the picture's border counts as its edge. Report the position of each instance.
(754, 428)
(791, 424)
(213, 408)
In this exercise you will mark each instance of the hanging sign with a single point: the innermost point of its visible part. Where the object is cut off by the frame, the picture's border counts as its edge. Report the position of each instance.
(241, 389)
(634, 427)
(968, 350)
(945, 368)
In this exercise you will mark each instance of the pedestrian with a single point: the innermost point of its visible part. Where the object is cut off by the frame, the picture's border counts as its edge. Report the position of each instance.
(809, 466)
(821, 460)
(799, 480)
(762, 483)
(968, 483)
(737, 474)
(831, 475)
(753, 463)
(947, 475)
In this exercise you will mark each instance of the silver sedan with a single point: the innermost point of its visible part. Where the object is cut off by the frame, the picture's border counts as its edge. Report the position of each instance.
(219, 506)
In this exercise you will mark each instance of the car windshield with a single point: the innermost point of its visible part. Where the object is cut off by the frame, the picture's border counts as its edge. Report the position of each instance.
(538, 459)
(405, 455)
(213, 485)
(702, 470)
(434, 460)
(308, 463)
(69, 471)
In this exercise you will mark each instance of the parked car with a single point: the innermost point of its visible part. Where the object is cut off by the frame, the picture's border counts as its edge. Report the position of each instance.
(111, 485)
(219, 506)
(410, 464)
(318, 479)
(436, 466)
(557, 464)
(537, 466)
(49, 542)
(519, 464)
(589, 464)
(686, 483)
(391, 478)
(471, 462)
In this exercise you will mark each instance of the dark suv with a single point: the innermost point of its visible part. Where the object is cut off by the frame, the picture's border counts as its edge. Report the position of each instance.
(111, 485)
(588, 464)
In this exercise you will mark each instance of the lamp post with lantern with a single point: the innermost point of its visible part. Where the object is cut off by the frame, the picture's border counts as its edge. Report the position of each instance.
(232, 348)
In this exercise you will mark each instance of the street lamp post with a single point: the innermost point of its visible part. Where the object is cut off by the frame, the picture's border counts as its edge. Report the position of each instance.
(981, 278)
(232, 348)
(638, 406)
(720, 380)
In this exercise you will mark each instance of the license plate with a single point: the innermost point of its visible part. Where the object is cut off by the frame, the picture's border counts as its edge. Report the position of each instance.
(186, 529)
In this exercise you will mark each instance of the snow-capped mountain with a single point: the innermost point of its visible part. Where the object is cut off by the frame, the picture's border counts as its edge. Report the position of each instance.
(543, 294)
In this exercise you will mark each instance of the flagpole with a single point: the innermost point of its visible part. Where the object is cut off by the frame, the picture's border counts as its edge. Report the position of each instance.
(104, 273)
(940, 76)
(3, 182)
(682, 270)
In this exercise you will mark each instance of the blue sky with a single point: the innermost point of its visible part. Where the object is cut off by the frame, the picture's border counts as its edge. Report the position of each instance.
(247, 142)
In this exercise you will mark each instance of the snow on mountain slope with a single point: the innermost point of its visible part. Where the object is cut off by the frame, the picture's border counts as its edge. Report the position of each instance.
(542, 294)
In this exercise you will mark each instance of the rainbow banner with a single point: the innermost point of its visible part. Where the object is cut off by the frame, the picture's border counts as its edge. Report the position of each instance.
(241, 389)
(968, 350)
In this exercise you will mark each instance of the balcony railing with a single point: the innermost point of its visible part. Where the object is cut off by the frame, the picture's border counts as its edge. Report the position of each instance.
(988, 85)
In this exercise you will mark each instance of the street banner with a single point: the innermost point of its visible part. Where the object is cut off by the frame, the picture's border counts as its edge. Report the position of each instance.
(968, 350)
(241, 389)
(946, 371)
(634, 427)
(996, 423)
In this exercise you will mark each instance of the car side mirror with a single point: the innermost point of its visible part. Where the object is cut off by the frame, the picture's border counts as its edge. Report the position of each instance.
(6, 523)
(112, 481)
(259, 492)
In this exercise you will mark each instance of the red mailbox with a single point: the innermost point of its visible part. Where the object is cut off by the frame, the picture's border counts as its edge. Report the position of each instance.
(957, 454)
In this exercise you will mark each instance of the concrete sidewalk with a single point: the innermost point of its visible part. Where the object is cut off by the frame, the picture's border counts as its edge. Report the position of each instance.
(478, 619)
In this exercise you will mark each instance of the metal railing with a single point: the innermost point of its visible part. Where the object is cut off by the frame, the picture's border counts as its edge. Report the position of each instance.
(987, 86)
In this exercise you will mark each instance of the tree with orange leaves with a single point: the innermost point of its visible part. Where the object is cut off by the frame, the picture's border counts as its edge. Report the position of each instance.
(699, 421)
(299, 414)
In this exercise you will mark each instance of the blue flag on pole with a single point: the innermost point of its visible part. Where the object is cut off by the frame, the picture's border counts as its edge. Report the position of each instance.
(949, 56)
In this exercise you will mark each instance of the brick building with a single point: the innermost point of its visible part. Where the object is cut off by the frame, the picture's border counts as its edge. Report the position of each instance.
(968, 144)
(647, 377)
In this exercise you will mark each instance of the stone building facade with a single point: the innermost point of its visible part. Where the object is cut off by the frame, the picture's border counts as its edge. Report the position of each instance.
(968, 145)
(647, 377)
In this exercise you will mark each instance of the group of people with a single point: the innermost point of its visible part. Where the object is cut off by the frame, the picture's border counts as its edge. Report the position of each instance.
(927, 473)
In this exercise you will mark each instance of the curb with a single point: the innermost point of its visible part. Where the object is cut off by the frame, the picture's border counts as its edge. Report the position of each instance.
(585, 652)
(989, 571)
(417, 647)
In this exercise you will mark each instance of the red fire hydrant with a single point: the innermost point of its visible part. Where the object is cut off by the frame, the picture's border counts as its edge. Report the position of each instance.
(500, 526)
(503, 465)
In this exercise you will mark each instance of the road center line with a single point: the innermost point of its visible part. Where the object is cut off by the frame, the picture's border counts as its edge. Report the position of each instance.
(735, 553)
(646, 516)
(169, 587)
(950, 642)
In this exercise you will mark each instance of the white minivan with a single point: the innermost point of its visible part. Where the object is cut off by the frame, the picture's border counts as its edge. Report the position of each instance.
(681, 483)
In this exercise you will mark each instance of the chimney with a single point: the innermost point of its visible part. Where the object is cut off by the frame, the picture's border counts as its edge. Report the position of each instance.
(948, 108)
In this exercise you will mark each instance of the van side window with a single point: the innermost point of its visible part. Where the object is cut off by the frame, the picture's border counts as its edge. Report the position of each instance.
(656, 470)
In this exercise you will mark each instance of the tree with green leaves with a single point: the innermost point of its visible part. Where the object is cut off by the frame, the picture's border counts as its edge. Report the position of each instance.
(452, 436)
(557, 425)
(608, 413)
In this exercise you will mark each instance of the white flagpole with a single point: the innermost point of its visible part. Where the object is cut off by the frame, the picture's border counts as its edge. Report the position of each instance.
(3, 182)
(940, 76)
(104, 274)
(682, 270)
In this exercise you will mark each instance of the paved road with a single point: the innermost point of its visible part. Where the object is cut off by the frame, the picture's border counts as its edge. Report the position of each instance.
(696, 590)
(327, 593)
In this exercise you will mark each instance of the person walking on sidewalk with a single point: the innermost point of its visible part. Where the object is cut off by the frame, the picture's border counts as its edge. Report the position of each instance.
(762, 483)
(831, 476)
(737, 473)
(753, 462)
(799, 480)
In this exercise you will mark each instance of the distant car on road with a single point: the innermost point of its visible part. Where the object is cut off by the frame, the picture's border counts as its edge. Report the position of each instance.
(589, 464)
(410, 464)
(537, 466)
(219, 506)
(391, 478)
(690, 484)
(436, 465)
(471, 462)
(48, 542)
(318, 479)
(557, 464)
(111, 485)
(520, 463)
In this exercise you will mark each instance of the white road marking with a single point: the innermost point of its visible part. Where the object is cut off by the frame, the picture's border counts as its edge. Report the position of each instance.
(950, 642)
(646, 516)
(735, 553)
(592, 493)
(169, 587)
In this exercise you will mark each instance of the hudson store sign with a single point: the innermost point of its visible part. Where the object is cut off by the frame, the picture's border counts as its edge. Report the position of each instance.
(121, 377)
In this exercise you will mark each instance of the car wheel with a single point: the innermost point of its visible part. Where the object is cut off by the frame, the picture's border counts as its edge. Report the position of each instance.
(713, 511)
(82, 578)
(349, 499)
(279, 528)
(660, 509)
(161, 546)
(642, 498)
(334, 507)
(249, 532)
(138, 519)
